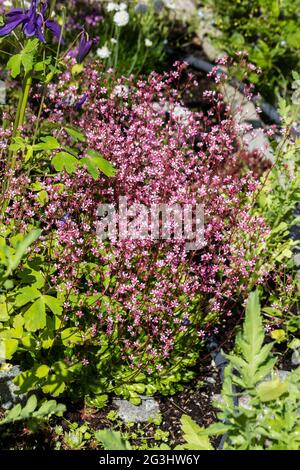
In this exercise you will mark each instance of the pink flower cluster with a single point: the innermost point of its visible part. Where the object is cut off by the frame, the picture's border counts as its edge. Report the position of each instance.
(146, 295)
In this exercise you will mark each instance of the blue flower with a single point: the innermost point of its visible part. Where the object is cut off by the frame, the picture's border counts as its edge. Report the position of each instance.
(64, 219)
(81, 102)
(85, 45)
(33, 21)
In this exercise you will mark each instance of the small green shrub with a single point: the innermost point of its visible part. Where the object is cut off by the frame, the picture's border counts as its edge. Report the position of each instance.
(269, 419)
(269, 30)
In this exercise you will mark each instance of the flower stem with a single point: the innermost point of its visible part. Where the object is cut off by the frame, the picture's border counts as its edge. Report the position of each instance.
(19, 121)
(18, 113)
(26, 89)
(134, 61)
(117, 49)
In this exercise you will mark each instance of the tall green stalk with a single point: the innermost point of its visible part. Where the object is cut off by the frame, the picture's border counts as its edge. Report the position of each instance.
(19, 121)
(25, 92)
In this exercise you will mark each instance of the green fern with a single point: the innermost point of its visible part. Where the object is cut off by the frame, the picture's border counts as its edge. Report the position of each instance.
(254, 362)
(31, 411)
(269, 420)
(112, 440)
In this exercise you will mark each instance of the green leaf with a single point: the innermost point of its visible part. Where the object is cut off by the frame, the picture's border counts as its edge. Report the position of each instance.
(42, 371)
(27, 62)
(43, 197)
(278, 335)
(75, 134)
(60, 368)
(5, 310)
(39, 66)
(18, 144)
(271, 390)
(77, 68)
(13, 414)
(275, 8)
(54, 304)
(112, 440)
(65, 161)
(54, 385)
(139, 388)
(27, 380)
(47, 143)
(29, 407)
(217, 429)
(193, 435)
(14, 64)
(95, 163)
(49, 408)
(294, 344)
(35, 316)
(71, 336)
(30, 411)
(22, 247)
(25, 57)
(18, 321)
(26, 294)
(8, 347)
(98, 401)
(254, 362)
(31, 46)
(47, 336)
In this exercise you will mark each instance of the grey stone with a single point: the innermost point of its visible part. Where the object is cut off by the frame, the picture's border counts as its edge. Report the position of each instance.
(149, 408)
(282, 374)
(243, 400)
(297, 259)
(244, 111)
(9, 395)
(256, 140)
(296, 358)
(211, 52)
(210, 380)
(217, 397)
(182, 9)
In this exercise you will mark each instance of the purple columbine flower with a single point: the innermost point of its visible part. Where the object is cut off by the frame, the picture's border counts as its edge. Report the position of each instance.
(33, 21)
(85, 45)
(78, 105)
(64, 219)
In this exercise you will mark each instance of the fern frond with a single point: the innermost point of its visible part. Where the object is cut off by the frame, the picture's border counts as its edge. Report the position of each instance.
(254, 362)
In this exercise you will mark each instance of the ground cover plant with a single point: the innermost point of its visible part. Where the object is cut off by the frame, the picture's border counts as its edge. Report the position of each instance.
(269, 31)
(90, 310)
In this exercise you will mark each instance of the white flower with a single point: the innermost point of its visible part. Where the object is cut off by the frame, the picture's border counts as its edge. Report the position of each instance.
(123, 6)
(296, 94)
(9, 4)
(121, 18)
(180, 113)
(103, 52)
(112, 6)
(170, 4)
(113, 41)
(148, 42)
(121, 91)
